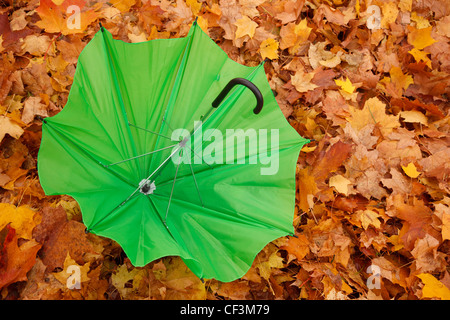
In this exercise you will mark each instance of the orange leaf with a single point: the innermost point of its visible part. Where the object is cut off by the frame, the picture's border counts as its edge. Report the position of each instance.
(16, 261)
(299, 247)
(331, 160)
(63, 18)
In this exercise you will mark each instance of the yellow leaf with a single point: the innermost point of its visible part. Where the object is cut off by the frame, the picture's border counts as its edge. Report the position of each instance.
(340, 184)
(445, 226)
(302, 30)
(245, 26)
(122, 276)
(9, 126)
(405, 5)
(268, 49)
(69, 270)
(399, 79)
(203, 23)
(346, 85)
(390, 13)
(421, 22)
(396, 241)
(433, 288)
(420, 38)
(22, 219)
(368, 217)
(374, 111)
(306, 149)
(194, 5)
(123, 5)
(414, 116)
(302, 81)
(411, 170)
(420, 55)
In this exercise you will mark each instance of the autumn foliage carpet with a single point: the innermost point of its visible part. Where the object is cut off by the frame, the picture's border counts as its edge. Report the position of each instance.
(372, 208)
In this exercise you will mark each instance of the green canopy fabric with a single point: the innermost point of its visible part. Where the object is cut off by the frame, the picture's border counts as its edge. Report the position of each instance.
(112, 148)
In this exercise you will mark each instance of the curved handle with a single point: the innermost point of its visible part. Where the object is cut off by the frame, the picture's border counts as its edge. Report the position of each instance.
(246, 83)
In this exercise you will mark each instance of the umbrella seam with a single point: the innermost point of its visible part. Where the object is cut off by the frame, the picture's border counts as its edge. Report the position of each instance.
(121, 102)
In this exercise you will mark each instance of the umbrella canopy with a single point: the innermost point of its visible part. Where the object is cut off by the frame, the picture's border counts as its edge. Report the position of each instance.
(173, 149)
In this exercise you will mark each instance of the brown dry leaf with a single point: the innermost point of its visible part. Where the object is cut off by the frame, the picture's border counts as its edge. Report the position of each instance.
(297, 246)
(33, 107)
(180, 282)
(374, 112)
(302, 81)
(10, 127)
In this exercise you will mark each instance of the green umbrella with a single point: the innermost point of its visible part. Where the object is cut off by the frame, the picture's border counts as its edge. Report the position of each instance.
(173, 149)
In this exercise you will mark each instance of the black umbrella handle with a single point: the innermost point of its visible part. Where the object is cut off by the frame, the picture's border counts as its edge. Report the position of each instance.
(246, 83)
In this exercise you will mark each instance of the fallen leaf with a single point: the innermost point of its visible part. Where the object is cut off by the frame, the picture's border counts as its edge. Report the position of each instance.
(33, 107)
(368, 218)
(10, 127)
(411, 170)
(420, 38)
(268, 49)
(389, 14)
(420, 55)
(245, 27)
(433, 288)
(68, 270)
(297, 246)
(374, 112)
(15, 260)
(340, 184)
(22, 219)
(302, 81)
(346, 85)
(414, 116)
(54, 20)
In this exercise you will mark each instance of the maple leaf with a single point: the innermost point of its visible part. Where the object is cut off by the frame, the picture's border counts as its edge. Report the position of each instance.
(411, 170)
(179, 281)
(302, 81)
(420, 38)
(433, 288)
(346, 85)
(340, 183)
(67, 271)
(414, 116)
(194, 5)
(10, 127)
(54, 17)
(268, 49)
(16, 261)
(389, 14)
(297, 246)
(123, 5)
(420, 55)
(22, 219)
(245, 26)
(374, 112)
(123, 276)
(294, 35)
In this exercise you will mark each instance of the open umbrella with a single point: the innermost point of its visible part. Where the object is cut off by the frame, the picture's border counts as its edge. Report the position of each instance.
(173, 149)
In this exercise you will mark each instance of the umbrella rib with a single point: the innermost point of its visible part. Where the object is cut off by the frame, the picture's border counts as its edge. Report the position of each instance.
(158, 134)
(142, 155)
(176, 84)
(171, 194)
(119, 91)
(196, 185)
